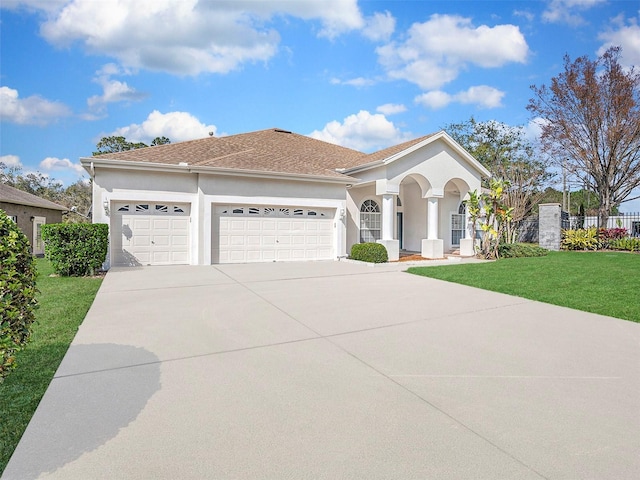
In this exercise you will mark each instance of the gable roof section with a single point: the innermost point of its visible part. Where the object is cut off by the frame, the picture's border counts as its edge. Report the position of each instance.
(18, 197)
(392, 154)
(265, 151)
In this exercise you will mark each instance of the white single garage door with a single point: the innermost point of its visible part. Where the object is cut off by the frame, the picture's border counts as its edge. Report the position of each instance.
(150, 234)
(245, 233)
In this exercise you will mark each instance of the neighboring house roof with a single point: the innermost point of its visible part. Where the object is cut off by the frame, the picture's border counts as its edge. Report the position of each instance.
(18, 197)
(272, 151)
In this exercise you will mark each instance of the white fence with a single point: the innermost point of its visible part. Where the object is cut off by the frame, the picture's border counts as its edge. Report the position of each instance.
(630, 221)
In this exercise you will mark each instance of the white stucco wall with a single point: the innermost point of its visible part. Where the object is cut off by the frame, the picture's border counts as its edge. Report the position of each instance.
(202, 191)
(440, 170)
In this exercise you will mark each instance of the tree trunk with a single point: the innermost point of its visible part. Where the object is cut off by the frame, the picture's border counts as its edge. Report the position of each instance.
(603, 210)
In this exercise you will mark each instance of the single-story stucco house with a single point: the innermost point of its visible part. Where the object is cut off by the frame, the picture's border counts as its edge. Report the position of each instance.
(30, 212)
(273, 195)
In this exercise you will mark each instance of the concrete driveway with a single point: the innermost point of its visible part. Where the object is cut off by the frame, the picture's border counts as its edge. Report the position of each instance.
(334, 370)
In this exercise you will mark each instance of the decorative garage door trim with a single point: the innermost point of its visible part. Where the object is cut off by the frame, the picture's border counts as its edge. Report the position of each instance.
(264, 233)
(259, 211)
(150, 233)
(152, 208)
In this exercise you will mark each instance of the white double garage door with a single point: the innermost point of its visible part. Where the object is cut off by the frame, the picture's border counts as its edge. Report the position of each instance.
(259, 233)
(159, 233)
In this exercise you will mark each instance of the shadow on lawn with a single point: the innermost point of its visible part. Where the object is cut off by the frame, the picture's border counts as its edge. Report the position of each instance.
(82, 411)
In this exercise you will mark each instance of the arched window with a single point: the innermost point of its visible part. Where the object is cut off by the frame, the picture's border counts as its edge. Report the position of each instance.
(462, 209)
(369, 221)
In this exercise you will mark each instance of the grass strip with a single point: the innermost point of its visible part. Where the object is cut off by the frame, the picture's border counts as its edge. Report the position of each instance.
(64, 302)
(607, 283)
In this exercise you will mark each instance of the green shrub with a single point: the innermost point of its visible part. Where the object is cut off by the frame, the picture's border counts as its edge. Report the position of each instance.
(608, 235)
(630, 244)
(514, 250)
(369, 252)
(17, 292)
(76, 249)
(580, 239)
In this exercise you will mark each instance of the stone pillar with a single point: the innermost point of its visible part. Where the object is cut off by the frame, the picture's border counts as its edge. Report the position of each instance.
(392, 245)
(549, 225)
(432, 246)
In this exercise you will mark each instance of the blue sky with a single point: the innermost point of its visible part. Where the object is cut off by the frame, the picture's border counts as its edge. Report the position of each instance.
(364, 74)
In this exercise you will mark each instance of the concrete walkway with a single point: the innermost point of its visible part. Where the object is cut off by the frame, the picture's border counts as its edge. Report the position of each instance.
(334, 370)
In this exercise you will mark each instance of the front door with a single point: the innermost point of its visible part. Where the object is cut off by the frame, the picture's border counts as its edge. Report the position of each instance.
(38, 244)
(399, 236)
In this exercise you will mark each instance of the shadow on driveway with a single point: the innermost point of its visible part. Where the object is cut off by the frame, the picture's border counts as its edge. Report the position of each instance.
(85, 410)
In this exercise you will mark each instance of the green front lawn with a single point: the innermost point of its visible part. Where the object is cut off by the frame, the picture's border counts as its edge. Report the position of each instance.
(64, 302)
(607, 283)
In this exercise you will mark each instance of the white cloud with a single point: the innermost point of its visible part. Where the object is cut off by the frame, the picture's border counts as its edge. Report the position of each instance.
(188, 37)
(566, 11)
(177, 126)
(112, 90)
(362, 131)
(33, 110)
(436, 51)
(391, 108)
(625, 35)
(482, 96)
(61, 164)
(527, 15)
(11, 161)
(533, 129)
(354, 82)
(46, 5)
(379, 26)
(434, 100)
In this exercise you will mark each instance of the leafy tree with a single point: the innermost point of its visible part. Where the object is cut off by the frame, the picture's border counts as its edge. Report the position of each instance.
(116, 144)
(591, 126)
(489, 211)
(507, 153)
(160, 141)
(588, 199)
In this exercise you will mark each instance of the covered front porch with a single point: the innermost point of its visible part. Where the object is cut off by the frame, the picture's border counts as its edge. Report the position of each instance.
(412, 216)
(412, 198)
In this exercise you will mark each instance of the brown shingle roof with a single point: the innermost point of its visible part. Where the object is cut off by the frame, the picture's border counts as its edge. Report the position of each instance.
(388, 152)
(13, 195)
(273, 150)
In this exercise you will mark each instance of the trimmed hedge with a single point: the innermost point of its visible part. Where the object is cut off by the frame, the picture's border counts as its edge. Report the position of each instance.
(17, 292)
(77, 249)
(515, 250)
(369, 252)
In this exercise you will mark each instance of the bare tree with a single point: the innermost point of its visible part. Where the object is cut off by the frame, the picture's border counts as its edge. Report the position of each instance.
(591, 126)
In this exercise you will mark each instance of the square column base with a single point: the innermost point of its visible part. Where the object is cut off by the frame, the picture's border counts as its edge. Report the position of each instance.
(432, 248)
(393, 248)
(467, 247)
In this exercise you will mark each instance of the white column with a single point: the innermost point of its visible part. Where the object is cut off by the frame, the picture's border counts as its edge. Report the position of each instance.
(467, 243)
(467, 224)
(387, 240)
(432, 218)
(432, 246)
(387, 217)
